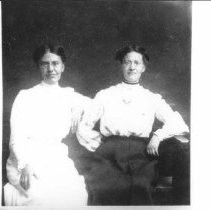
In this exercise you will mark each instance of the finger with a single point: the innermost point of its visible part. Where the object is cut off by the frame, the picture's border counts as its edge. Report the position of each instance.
(74, 127)
(93, 149)
(26, 187)
(96, 138)
(22, 191)
(84, 142)
(89, 147)
(148, 147)
(156, 151)
(23, 182)
(26, 182)
(36, 176)
(94, 146)
(150, 151)
(29, 178)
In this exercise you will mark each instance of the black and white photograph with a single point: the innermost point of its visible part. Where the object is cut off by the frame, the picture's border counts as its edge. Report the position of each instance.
(96, 103)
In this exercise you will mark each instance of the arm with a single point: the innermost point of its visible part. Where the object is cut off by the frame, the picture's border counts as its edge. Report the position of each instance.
(81, 104)
(19, 139)
(87, 136)
(173, 125)
(18, 135)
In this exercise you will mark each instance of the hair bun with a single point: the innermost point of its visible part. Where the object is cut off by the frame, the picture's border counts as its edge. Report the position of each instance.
(120, 53)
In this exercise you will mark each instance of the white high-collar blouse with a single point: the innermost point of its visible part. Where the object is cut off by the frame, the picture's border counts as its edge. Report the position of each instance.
(41, 117)
(128, 110)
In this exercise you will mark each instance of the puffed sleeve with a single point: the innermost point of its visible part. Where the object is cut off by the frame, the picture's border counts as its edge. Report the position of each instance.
(80, 104)
(173, 123)
(18, 125)
(87, 136)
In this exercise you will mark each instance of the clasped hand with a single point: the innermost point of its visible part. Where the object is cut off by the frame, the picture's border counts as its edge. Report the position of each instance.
(26, 177)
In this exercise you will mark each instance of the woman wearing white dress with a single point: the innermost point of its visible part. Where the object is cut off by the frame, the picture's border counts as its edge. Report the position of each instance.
(39, 171)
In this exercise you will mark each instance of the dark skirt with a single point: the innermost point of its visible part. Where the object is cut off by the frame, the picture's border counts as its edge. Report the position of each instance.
(121, 173)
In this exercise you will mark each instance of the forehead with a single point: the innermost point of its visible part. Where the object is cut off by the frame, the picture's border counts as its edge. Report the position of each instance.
(48, 56)
(133, 56)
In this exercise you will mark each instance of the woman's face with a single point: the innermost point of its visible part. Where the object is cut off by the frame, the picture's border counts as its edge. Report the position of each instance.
(51, 68)
(132, 67)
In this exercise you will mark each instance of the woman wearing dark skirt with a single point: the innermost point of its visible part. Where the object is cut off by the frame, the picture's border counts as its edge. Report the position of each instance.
(127, 156)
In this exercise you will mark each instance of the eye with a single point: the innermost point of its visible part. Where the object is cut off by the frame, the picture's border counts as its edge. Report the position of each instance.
(55, 63)
(137, 62)
(126, 62)
(43, 64)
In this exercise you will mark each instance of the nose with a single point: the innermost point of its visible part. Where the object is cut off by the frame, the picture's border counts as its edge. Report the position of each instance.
(132, 66)
(50, 68)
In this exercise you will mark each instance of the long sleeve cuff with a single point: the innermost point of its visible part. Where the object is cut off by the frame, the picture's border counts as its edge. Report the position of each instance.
(21, 165)
(88, 138)
(174, 125)
(168, 132)
(20, 156)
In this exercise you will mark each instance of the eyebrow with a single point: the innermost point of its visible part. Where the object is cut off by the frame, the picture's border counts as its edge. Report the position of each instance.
(131, 60)
(46, 62)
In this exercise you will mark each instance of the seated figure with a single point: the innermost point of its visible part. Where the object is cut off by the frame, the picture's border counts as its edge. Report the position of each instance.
(39, 171)
(127, 157)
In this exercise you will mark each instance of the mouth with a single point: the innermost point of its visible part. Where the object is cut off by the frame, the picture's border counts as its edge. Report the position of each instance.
(51, 75)
(131, 73)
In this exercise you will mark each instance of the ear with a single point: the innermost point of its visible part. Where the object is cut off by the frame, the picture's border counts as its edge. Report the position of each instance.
(120, 67)
(143, 69)
(63, 67)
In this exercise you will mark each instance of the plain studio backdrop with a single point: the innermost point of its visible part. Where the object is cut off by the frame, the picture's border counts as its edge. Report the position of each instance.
(91, 32)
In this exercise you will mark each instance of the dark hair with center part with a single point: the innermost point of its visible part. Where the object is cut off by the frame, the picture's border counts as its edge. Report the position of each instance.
(120, 54)
(43, 49)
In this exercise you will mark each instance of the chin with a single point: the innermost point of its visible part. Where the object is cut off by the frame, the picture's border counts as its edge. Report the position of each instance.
(51, 82)
(132, 80)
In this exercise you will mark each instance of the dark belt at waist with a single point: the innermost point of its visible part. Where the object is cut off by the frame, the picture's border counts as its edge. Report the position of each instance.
(123, 148)
(124, 138)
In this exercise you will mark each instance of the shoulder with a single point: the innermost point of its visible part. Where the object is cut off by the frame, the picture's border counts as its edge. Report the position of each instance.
(25, 93)
(68, 90)
(108, 92)
(25, 97)
(81, 97)
(76, 96)
(156, 97)
(158, 100)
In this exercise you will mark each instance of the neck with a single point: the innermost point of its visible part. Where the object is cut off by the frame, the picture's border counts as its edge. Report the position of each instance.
(49, 84)
(130, 83)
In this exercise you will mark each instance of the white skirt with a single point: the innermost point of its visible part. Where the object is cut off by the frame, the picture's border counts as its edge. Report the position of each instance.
(58, 183)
